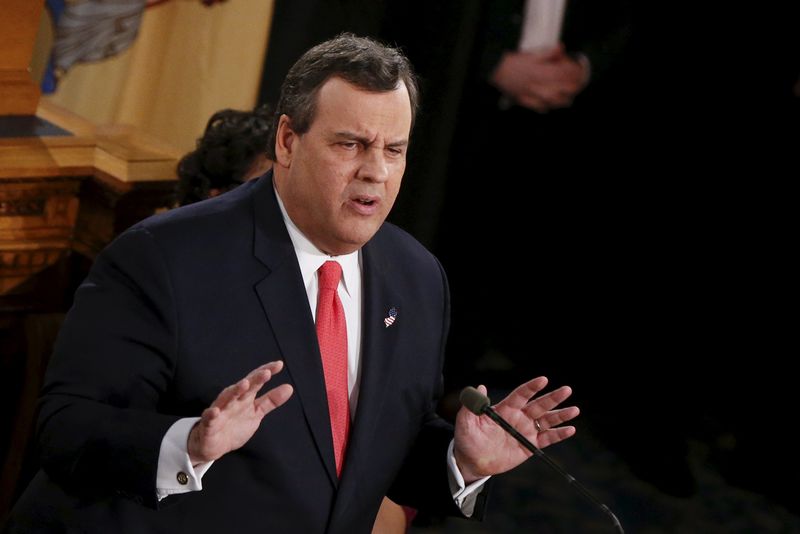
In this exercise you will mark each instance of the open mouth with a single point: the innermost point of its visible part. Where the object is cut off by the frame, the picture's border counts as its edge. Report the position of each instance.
(366, 204)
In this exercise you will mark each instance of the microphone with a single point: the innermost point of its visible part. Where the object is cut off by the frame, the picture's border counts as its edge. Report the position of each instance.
(479, 404)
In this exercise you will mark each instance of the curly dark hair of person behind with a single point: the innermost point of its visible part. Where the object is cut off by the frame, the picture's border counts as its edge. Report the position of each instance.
(224, 154)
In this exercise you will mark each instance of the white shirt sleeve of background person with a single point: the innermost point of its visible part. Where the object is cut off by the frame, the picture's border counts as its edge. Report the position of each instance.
(542, 24)
(465, 496)
(176, 474)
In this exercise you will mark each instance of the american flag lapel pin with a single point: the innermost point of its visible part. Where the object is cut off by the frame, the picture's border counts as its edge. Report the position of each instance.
(391, 318)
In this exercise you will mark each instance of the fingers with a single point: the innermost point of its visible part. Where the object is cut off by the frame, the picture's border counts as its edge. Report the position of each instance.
(522, 398)
(547, 424)
(556, 417)
(552, 96)
(519, 398)
(261, 375)
(230, 393)
(554, 435)
(274, 398)
(541, 409)
(248, 386)
(533, 102)
(541, 405)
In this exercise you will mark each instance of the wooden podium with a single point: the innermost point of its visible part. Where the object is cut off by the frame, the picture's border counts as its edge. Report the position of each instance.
(67, 188)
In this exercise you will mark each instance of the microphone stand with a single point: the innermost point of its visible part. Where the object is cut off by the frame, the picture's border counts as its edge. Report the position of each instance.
(485, 408)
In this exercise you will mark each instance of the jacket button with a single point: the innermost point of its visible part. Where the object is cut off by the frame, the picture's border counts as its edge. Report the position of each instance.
(183, 478)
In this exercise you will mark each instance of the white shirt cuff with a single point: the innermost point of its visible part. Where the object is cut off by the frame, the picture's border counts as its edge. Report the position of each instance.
(464, 496)
(176, 474)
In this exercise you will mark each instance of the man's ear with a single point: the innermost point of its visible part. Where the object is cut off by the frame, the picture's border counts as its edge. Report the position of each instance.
(284, 141)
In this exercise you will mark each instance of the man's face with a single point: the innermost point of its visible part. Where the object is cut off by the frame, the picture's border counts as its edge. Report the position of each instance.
(339, 180)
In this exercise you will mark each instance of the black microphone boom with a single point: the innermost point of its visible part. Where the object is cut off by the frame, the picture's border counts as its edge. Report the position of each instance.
(479, 404)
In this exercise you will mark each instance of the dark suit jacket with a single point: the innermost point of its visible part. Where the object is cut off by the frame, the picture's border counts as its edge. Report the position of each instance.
(187, 303)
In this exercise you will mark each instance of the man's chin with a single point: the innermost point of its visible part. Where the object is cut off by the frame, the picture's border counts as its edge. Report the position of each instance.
(356, 237)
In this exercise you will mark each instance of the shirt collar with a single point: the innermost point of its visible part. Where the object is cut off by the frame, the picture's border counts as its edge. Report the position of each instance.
(311, 258)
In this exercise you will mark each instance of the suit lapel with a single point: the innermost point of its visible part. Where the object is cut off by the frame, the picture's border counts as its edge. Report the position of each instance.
(378, 357)
(284, 300)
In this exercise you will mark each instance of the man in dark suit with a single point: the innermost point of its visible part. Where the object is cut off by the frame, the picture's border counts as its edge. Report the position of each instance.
(186, 303)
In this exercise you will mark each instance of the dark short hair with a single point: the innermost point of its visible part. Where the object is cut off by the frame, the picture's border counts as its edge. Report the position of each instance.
(361, 61)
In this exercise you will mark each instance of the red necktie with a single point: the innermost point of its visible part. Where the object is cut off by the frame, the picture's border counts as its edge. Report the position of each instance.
(332, 335)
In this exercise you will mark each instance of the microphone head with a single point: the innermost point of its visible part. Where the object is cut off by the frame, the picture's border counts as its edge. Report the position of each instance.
(473, 400)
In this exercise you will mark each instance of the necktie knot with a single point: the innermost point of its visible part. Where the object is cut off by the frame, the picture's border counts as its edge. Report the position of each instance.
(329, 275)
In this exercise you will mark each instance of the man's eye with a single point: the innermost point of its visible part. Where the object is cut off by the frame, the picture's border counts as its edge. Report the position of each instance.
(349, 146)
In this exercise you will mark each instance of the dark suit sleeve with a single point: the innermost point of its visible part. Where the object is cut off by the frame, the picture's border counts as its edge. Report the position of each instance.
(598, 30)
(423, 480)
(500, 32)
(99, 427)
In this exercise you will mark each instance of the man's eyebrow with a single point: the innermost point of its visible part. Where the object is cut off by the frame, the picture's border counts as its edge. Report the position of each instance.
(401, 142)
(351, 136)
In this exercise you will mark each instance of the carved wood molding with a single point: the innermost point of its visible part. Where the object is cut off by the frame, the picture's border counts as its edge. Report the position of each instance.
(17, 266)
(37, 218)
(119, 174)
(15, 207)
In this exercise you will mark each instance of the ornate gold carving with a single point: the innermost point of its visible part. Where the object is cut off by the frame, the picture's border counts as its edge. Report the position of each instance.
(22, 207)
(17, 266)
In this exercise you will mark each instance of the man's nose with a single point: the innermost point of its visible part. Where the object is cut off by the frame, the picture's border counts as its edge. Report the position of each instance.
(374, 165)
